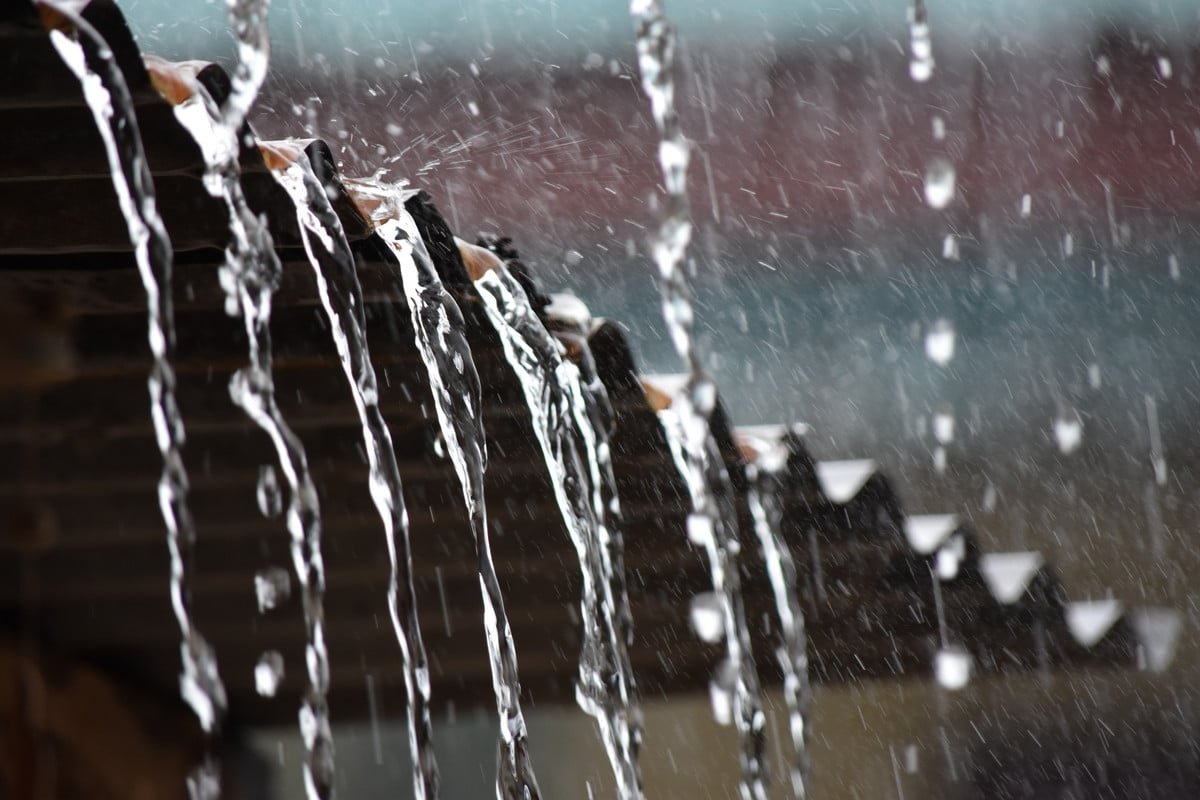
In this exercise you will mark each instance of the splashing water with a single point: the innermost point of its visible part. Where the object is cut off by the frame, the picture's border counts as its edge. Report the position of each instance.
(107, 96)
(920, 66)
(792, 652)
(687, 419)
(341, 296)
(569, 443)
(250, 275)
(438, 327)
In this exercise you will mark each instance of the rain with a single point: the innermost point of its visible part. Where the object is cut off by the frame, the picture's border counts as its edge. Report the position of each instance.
(535, 399)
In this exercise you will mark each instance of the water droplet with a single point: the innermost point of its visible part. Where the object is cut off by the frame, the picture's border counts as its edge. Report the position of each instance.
(920, 66)
(268, 494)
(950, 558)
(950, 247)
(1068, 431)
(720, 692)
(1026, 206)
(700, 529)
(989, 498)
(939, 460)
(1164, 68)
(952, 666)
(943, 425)
(939, 342)
(268, 673)
(273, 587)
(1094, 375)
(939, 183)
(707, 617)
(939, 128)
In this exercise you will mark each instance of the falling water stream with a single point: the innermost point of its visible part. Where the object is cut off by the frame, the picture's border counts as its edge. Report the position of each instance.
(438, 327)
(250, 275)
(341, 295)
(792, 652)
(575, 452)
(687, 419)
(107, 96)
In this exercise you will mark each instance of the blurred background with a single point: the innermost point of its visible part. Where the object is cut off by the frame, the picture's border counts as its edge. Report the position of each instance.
(986, 281)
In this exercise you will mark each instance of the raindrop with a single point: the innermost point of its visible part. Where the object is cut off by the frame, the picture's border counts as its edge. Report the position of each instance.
(939, 183)
(268, 493)
(939, 342)
(273, 587)
(952, 666)
(1094, 375)
(1026, 206)
(950, 247)
(699, 529)
(920, 67)
(1173, 266)
(989, 498)
(943, 425)
(1068, 431)
(707, 617)
(1164, 68)
(268, 673)
(721, 691)
(939, 128)
(939, 460)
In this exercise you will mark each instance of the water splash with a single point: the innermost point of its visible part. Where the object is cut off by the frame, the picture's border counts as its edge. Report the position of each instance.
(341, 296)
(687, 419)
(250, 276)
(570, 446)
(89, 58)
(438, 327)
(792, 652)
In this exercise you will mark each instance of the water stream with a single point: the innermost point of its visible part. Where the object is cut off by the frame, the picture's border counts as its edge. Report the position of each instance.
(438, 326)
(687, 419)
(89, 58)
(576, 456)
(792, 652)
(250, 275)
(341, 295)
